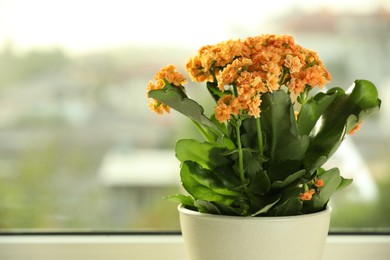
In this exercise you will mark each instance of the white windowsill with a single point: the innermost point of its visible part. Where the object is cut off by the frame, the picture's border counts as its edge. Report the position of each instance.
(162, 247)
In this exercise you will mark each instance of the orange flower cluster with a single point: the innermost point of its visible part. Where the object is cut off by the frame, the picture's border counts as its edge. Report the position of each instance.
(168, 74)
(319, 183)
(308, 194)
(254, 66)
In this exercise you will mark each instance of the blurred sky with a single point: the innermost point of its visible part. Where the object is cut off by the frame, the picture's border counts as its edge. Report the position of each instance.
(85, 25)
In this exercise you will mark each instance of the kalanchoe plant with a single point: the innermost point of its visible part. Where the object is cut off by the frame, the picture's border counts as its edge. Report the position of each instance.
(267, 139)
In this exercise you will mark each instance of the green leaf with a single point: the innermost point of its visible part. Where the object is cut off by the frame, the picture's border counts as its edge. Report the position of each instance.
(175, 98)
(185, 200)
(364, 96)
(208, 155)
(341, 115)
(220, 125)
(267, 204)
(207, 207)
(214, 90)
(226, 141)
(204, 184)
(289, 204)
(344, 183)
(289, 180)
(290, 207)
(249, 133)
(312, 110)
(282, 138)
(352, 121)
(314, 166)
(332, 181)
(230, 210)
(259, 182)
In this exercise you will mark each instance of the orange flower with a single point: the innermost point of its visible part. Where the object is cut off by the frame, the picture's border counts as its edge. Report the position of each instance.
(296, 85)
(314, 76)
(158, 107)
(151, 86)
(232, 71)
(223, 109)
(244, 79)
(226, 77)
(235, 106)
(211, 58)
(195, 69)
(254, 107)
(272, 82)
(257, 83)
(251, 66)
(222, 112)
(293, 63)
(154, 86)
(169, 74)
(246, 93)
(272, 67)
(319, 183)
(307, 195)
(357, 127)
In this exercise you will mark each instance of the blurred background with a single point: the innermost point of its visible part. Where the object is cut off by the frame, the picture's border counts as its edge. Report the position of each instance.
(79, 148)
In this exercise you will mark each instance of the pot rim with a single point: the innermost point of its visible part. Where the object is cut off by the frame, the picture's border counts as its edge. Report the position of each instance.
(183, 210)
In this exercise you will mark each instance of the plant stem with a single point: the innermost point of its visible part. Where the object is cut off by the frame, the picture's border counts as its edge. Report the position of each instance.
(259, 137)
(240, 153)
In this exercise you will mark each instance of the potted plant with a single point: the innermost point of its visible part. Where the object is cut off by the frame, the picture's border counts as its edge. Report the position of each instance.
(264, 146)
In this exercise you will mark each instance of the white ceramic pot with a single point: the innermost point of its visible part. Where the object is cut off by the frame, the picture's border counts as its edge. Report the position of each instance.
(216, 237)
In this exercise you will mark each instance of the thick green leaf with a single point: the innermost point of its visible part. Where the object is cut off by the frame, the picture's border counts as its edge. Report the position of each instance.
(364, 96)
(237, 210)
(341, 115)
(282, 138)
(259, 182)
(249, 133)
(228, 177)
(344, 183)
(312, 110)
(218, 208)
(220, 125)
(208, 155)
(314, 166)
(332, 181)
(183, 199)
(352, 121)
(266, 205)
(289, 204)
(204, 184)
(175, 98)
(290, 207)
(226, 141)
(207, 207)
(214, 90)
(289, 180)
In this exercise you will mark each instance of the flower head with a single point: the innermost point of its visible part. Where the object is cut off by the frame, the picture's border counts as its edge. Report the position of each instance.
(225, 107)
(170, 74)
(167, 75)
(257, 65)
(293, 63)
(307, 195)
(319, 183)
